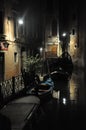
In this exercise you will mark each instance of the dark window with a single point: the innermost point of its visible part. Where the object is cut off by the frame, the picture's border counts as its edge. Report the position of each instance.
(74, 17)
(54, 28)
(15, 57)
(73, 32)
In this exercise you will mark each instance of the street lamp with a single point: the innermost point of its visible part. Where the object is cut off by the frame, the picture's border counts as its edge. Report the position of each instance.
(64, 34)
(64, 41)
(20, 29)
(41, 51)
(20, 21)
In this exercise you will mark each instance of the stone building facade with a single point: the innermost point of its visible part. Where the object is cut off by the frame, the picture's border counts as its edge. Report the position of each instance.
(71, 21)
(10, 58)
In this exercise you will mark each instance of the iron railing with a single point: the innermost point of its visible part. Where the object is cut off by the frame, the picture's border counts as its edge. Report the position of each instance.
(11, 87)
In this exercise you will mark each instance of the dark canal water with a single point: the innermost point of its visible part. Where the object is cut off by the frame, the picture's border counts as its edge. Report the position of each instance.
(66, 109)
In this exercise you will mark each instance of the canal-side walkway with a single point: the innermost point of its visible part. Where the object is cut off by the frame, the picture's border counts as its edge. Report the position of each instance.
(20, 114)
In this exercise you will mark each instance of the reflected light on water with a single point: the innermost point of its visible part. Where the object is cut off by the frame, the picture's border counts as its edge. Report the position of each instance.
(73, 90)
(56, 94)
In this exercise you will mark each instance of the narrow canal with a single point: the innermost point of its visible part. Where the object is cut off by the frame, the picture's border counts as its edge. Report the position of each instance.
(67, 107)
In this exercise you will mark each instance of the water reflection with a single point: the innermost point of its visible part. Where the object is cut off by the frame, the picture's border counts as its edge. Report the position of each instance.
(74, 87)
(65, 110)
(62, 93)
(70, 91)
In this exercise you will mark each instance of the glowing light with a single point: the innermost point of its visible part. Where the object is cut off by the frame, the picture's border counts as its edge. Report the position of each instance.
(41, 49)
(64, 34)
(64, 100)
(20, 21)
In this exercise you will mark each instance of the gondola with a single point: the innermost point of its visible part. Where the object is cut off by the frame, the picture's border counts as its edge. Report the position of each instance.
(61, 68)
(43, 89)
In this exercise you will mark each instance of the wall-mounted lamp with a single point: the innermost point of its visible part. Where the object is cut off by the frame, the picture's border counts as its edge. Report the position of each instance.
(41, 49)
(64, 34)
(19, 28)
(4, 46)
(20, 21)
